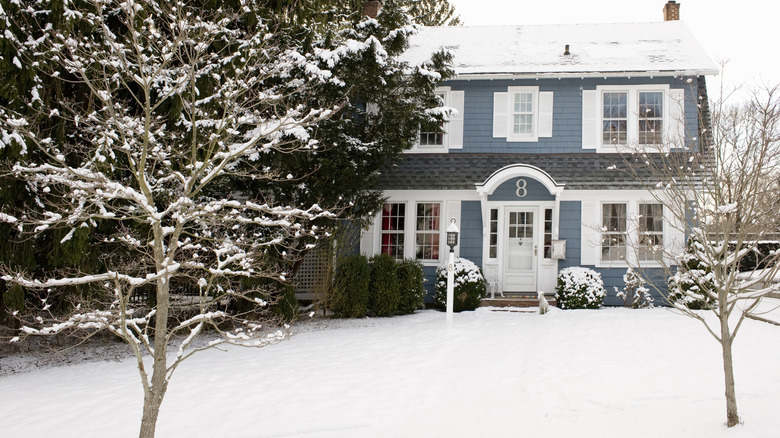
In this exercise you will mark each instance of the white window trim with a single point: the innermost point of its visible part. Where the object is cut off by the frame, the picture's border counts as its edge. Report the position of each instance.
(446, 128)
(632, 92)
(449, 207)
(534, 135)
(417, 230)
(632, 235)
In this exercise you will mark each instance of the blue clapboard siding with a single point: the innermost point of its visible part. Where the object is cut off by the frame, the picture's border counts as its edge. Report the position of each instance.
(567, 112)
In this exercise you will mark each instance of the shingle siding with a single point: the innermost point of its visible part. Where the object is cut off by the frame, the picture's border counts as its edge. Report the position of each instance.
(471, 231)
(567, 112)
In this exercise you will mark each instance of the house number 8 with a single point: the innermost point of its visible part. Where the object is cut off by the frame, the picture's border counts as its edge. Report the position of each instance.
(521, 188)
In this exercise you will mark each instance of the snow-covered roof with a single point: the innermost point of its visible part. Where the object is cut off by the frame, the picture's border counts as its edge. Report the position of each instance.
(665, 47)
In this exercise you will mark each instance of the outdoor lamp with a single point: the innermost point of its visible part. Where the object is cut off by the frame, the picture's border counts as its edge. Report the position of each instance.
(452, 235)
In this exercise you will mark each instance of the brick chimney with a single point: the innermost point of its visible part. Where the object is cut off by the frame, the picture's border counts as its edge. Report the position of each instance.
(671, 11)
(371, 8)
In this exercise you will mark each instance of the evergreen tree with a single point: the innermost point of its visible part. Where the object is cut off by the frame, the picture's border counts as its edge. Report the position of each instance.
(432, 12)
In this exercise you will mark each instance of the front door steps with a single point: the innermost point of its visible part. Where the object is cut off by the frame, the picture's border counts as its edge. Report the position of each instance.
(518, 299)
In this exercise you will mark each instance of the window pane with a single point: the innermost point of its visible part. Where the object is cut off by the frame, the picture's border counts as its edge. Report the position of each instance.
(393, 221)
(427, 237)
(651, 231)
(523, 113)
(613, 240)
(615, 118)
(651, 117)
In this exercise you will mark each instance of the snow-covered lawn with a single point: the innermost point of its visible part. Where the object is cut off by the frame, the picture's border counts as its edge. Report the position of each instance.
(601, 373)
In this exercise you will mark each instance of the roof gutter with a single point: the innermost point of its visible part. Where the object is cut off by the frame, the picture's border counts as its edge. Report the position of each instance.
(589, 74)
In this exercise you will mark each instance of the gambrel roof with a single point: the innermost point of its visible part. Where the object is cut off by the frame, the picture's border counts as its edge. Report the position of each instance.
(662, 48)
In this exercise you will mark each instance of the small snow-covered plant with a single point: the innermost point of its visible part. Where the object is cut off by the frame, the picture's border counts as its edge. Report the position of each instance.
(635, 294)
(469, 284)
(579, 288)
(692, 284)
(383, 289)
(410, 281)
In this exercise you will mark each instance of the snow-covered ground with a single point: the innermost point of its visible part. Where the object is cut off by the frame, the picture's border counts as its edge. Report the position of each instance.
(599, 373)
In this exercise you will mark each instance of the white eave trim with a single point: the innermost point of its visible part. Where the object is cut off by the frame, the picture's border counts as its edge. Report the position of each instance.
(519, 170)
(583, 75)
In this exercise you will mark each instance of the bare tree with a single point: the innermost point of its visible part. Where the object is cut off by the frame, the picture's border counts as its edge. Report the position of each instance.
(720, 190)
(179, 105)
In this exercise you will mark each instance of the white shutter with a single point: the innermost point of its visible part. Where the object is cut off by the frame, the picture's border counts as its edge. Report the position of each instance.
(500, 114)
(591, 237)
(455, 124)
(590, 128)
(545, 114)
(675, 121)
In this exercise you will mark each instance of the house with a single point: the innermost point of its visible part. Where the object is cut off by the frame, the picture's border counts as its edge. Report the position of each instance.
(529, 168)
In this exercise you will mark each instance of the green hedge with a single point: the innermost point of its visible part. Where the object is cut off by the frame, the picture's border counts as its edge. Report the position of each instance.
(349, 294)
(410, 282)
(384, 291)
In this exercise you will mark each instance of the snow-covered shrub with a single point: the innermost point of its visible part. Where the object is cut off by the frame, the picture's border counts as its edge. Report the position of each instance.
(691, 284)
(636, 294)
(383, 289)
(579, 288)
(410, 282)
(348, 298)
(469, 285)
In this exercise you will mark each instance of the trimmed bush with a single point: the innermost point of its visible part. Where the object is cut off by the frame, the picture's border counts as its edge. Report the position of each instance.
(384, 295)
(410, 283)
(469, 288)
(348, 298)
(579, 288)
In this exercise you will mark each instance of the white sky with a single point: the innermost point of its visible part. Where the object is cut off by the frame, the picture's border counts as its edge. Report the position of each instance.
(740, 31)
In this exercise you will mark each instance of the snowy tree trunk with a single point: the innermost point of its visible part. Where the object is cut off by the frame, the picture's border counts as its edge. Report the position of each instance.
(732, 417)
(154, 392)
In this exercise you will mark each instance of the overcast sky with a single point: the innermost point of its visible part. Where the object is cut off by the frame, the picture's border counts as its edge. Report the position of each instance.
(744, 32)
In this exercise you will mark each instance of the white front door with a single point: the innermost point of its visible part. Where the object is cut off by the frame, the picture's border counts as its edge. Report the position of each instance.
(520, 250)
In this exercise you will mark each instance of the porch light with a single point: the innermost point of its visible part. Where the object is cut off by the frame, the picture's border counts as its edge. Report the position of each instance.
(452, 235)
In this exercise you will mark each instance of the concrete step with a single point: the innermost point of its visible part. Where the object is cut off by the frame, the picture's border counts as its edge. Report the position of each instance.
(510, 300)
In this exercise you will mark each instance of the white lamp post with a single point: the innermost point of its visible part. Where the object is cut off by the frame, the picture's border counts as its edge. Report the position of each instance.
(452, 241)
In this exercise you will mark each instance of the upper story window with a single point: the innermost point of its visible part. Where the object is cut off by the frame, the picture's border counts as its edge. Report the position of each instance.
(614, 129)
(522, 114)
(523, 110)
(436, 137)
(619, 116)
(432, 133)
(651, 117)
